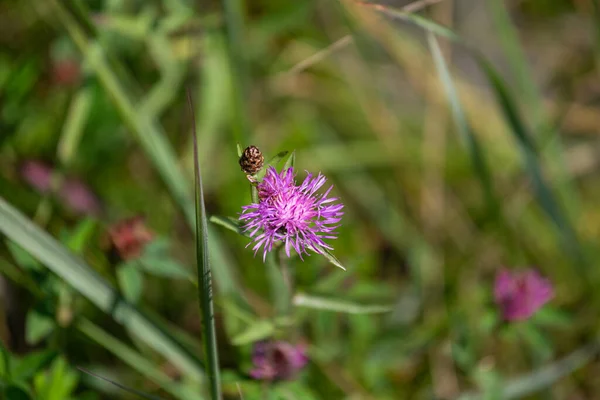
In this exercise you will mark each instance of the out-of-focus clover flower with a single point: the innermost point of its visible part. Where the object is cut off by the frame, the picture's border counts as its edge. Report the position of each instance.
(79, 197)
(292, 215)
(519, 294)
(129, 237)
(37, 174)
(74, 193)
(277, 360)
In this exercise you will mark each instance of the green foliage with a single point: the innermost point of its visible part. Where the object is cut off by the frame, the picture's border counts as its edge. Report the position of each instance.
(454, 155)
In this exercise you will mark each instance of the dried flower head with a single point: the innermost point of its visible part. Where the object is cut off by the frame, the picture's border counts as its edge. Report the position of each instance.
(295, 216)
(251, 160)
(520, 294)
(130, 236)
(277, 360)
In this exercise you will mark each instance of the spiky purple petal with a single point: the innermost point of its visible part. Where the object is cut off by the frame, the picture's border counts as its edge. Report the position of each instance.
(295, 216)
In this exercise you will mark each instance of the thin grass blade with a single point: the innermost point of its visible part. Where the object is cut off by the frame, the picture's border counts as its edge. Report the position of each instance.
(135, 392)
(468, 137)
(205, 290)
(135, 360)
(541, 189)
(337, 305)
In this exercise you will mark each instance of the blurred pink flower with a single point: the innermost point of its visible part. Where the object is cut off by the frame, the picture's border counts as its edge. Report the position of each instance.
(74, 193)
(79, 197)
(519, 294)
(130, 236)
(37, 174)
(277, 360)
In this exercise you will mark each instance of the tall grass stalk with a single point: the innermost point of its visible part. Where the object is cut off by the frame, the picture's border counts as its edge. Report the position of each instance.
(205, 290)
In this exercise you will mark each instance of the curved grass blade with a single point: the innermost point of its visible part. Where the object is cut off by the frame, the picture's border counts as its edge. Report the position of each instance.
(335, 305)
(136, 392)
(91, 285)
(464, 128)
(541, 189)
(205, 290)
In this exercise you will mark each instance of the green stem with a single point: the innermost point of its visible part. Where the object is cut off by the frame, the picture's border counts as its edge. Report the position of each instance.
(205, 289)
(280, 289)
(234, 21)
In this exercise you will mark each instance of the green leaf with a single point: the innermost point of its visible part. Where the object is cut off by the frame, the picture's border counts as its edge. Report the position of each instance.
(336, 305)
(258, 330)
(205, 289)
(56, 384)
(240, 151)
(92, 286)
(277, 158)
(131, 282)
(230, 223)
(28, 366)
(81, 236)
(291, 161)
(39, 326)
(332, 259)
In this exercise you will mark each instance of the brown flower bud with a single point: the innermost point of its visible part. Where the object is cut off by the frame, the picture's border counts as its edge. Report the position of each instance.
(251, 160)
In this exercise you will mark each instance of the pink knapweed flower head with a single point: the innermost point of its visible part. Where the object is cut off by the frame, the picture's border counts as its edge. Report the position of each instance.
(277, 360)
(294, 215)
(519, 294)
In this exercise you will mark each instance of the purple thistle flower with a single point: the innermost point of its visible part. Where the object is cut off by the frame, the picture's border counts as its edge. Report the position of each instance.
(520, 294)
(277, 360)
(291, 214)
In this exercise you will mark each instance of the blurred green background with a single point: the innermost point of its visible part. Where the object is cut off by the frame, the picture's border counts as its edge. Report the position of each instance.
(461, 135)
